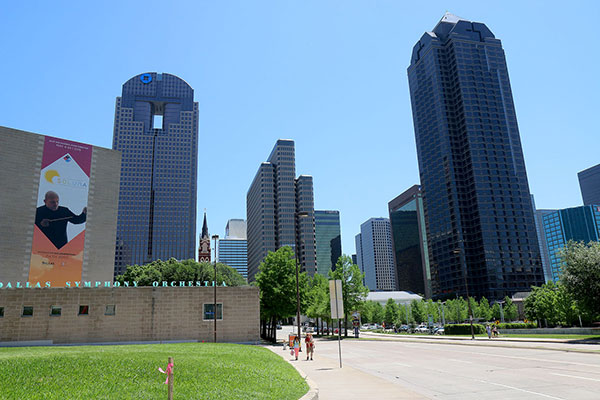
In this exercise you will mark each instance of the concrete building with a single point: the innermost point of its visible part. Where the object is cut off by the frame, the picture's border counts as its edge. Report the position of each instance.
(156, 129)
(376, 259)
(476, 200)
(233, 249)
(328, 238)
(82, 176)
(133, 314)
(409, 241)
(273, 204)
(589, 183)
(577, 224)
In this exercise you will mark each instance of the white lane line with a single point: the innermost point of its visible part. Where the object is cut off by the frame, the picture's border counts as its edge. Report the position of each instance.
(575, 376)
(402, 365)
(457, 360)
(523, 390)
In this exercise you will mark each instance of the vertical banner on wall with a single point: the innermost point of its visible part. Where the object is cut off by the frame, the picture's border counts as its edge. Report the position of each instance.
(59, 227)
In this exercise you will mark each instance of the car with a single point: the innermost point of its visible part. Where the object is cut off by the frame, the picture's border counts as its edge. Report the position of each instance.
(404, 328)
(279, 326)
(422, 329)
(439, 331)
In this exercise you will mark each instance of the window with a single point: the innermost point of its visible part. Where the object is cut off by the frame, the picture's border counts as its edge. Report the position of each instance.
(110, 309)
(27, 311)
(209, 311)
(55, 311)
(84, 310)
(1, 312)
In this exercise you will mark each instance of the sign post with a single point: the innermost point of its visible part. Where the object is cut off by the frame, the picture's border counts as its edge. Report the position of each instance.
(337, 309)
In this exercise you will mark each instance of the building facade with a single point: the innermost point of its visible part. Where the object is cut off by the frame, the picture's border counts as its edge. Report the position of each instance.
(539, 228)
(328, 238)
(274, 204)
(577, 224)
(589, 183)
(478, 212)
(409, 241)
(376, 258)
(204, 244)
(233, 249)
(83, 177)
(156, 130)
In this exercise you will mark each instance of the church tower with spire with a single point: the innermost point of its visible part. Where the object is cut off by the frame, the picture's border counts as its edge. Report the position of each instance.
(204, 246)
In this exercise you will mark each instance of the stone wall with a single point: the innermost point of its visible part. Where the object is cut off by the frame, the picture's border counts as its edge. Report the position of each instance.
(141, 314)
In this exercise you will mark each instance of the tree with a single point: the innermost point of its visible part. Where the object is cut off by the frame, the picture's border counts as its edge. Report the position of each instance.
(390, 313)
(417, 308)
(277, 282)
(552, 304)
(485, 312)
(318, 298)
(177, 271)
(378, 313)
(496, 311)
(366, 309)
(510, 310)
(581, 274)
(353, 290)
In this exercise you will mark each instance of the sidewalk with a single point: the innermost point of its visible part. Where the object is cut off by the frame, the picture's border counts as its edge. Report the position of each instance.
(335, 383)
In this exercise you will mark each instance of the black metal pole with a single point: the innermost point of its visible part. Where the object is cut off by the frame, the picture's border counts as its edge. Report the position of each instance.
(298, 299)
(215, 237)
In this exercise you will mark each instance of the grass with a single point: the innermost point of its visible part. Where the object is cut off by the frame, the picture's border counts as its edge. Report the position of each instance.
(202, 371)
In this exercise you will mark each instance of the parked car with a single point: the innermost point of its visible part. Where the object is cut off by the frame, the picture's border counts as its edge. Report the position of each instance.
(278, 326)
(439, 330)
(404, 328)
(422, 329)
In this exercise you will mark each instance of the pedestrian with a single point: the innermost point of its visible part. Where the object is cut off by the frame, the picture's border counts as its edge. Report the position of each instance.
(296, 346)
(495, 331)
(488, 329)
(310, 346)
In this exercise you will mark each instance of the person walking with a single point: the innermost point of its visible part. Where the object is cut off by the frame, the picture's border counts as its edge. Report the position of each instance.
(488, 329)
(495, 331)
(310, 346)
(296, 346)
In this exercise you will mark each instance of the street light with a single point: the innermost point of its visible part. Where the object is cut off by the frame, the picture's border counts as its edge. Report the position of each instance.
(215, 238)
(463, 263)
(299, 214)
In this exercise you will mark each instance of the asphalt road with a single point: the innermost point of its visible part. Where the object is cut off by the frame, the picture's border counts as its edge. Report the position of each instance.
(448, 370)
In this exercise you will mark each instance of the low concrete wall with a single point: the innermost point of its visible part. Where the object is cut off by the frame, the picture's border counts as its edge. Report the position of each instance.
(141, 314)
(553, 331)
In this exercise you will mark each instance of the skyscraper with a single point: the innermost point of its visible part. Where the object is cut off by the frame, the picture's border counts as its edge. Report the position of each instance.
(577, 223)
(156, 131)
(329, 240)
(589, 183)
(375, 254)
(539, 228)
(478, 213)
(233, 249)
(275, 204)
(409, 240)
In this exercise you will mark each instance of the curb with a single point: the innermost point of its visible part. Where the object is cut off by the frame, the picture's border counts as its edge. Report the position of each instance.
(313, 389)
(483, 344)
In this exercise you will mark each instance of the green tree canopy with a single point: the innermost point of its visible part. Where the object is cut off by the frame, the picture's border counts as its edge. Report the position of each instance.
(485, 312)
(391, 312)
(581, 274)
(173, 270)
(353, 290)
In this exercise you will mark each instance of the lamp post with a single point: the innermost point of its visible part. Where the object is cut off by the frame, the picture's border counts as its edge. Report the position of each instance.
(215, 238)
(464, 270)
(299, 214)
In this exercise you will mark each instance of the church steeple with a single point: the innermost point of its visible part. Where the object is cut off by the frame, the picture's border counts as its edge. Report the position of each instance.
(204, 245)
(205, 227)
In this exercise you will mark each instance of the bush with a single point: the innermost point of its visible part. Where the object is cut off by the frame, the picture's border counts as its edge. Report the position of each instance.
(463, 329)
(517, 325)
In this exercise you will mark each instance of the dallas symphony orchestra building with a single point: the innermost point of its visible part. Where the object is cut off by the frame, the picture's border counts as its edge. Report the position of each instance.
(59, 207)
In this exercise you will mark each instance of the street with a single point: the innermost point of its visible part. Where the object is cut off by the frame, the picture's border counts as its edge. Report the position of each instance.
(457, 370)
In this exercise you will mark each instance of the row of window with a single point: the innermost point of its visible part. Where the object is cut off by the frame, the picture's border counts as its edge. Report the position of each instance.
(110, 309)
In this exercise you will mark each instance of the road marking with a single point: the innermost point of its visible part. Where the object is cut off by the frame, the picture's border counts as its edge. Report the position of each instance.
(575, 376)
(402, 365)
(523, 390)
(462, 361)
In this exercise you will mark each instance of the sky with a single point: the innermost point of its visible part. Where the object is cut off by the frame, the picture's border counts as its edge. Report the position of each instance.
(330, 75)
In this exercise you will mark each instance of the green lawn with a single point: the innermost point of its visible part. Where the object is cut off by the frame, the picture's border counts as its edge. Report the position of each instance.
(202, 371)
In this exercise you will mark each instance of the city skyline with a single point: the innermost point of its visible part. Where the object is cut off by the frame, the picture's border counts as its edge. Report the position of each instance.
(310, 73)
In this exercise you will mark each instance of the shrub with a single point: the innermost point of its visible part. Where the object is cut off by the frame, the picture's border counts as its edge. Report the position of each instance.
(517, 325)
(463, 329)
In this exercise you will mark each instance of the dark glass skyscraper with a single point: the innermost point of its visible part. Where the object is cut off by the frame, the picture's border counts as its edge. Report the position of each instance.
(409, 240)
(328, 239)
(156, 130)
(478, 211)
(589, 183)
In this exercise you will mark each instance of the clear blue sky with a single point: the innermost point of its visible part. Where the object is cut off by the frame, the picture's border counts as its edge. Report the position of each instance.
(329, 74)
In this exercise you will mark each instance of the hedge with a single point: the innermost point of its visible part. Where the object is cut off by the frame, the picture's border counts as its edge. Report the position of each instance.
(463, 329)
(517, 325)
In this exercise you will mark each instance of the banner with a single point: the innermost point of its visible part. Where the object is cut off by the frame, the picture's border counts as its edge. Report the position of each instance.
(59, 226)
